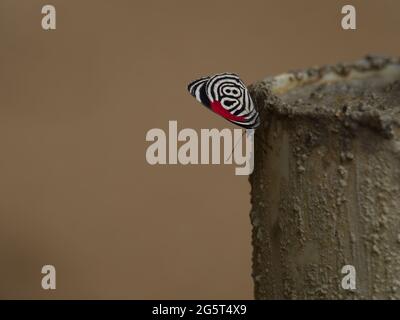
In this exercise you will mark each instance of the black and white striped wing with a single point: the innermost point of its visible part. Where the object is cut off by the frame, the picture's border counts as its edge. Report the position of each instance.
(230, 91)
(198, 90)
(227, 96)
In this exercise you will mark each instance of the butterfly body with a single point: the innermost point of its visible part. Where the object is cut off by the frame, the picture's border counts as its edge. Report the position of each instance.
(226, 95)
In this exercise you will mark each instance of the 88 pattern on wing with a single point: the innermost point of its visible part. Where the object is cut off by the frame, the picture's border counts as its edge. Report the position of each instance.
(226, 95)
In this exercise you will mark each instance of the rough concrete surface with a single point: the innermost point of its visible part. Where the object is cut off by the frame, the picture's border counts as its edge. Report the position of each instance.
(326, 184)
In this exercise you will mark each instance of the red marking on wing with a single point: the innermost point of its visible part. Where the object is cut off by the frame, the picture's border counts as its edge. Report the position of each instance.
(219, 109)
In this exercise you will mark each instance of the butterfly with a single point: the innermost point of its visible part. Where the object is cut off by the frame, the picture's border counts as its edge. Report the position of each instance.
(226, 95)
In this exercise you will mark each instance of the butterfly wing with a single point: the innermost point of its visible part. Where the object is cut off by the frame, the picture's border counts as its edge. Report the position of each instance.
(197, 89)
(230, 92)
(226, 95)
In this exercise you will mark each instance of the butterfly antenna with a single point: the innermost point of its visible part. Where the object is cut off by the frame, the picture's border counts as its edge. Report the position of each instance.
(234, 147)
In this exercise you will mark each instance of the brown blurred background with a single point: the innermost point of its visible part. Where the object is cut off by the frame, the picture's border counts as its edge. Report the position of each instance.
(75, 105)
